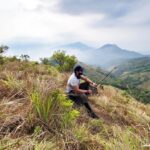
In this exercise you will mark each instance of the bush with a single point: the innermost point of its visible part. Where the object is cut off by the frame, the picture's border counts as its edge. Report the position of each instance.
(45, 61)
(3, 48)
(62, 61)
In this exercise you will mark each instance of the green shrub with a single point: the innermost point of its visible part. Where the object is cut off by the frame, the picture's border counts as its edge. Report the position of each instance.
(62, 61)
(54, 109)
(52, 71)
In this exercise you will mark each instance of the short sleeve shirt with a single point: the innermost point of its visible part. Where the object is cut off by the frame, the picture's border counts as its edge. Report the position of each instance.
(72, 81)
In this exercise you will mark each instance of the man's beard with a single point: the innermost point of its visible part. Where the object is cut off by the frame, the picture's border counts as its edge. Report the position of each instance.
(79, 76)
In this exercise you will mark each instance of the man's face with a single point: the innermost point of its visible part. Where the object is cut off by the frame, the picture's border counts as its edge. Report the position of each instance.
(79, 73)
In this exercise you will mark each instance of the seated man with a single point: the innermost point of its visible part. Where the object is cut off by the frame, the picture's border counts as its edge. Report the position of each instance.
(78, 91)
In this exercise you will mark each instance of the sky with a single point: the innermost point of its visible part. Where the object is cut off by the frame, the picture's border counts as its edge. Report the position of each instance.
(28, 25)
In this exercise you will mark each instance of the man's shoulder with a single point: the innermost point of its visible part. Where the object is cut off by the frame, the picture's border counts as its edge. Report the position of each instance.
(73, 77)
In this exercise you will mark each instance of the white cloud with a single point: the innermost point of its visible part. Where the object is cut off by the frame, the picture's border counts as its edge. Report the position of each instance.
(40, 19)
(42, 24)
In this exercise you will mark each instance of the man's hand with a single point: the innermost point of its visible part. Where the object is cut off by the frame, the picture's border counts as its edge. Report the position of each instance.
(94, 84)
(89, 91)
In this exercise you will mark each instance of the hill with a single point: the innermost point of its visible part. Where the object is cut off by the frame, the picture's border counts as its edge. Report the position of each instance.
(35, 114)
(134, 75)
(133, 66)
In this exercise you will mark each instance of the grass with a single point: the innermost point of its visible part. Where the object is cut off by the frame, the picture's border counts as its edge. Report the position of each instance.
(36, 114)
(123, 139)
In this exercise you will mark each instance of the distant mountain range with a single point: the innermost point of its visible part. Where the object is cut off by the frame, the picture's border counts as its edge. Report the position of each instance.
(77, 46)
(105, 56)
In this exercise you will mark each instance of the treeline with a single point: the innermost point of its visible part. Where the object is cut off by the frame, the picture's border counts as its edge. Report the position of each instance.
(60, 60)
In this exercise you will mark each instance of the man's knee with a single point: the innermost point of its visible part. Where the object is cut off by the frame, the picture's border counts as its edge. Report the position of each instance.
(83, 98)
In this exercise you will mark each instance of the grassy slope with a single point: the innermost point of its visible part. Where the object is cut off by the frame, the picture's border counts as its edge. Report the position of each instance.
(124, 123)
(135, 73)
(134, 76)
(134, 66)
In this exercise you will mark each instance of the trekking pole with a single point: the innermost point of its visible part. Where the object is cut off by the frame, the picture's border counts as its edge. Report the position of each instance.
(100, 84)
(95, 89)
(108, 74)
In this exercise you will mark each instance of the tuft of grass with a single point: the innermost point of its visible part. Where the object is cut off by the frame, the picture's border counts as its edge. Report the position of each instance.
(12, 83)
(85, 139)
(42, 106)
(54, 109)
(124, 139)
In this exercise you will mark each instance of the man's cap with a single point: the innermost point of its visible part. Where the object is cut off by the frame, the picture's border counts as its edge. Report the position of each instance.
(78, 68)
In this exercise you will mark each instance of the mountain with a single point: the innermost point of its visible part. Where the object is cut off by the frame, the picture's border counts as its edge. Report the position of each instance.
(117, 52)
(76, 45)
(106, 56)
(111, 55)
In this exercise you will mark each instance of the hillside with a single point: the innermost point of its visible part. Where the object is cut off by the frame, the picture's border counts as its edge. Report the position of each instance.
(35, 114)
(133, 66)
(134, 75)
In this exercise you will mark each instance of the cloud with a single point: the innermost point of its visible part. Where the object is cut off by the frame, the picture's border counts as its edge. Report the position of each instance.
(48, 25)
(112, 8)
(118, 13)
(94, 22)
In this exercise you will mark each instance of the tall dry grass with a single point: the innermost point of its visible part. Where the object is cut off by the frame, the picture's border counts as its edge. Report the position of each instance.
(36, 114)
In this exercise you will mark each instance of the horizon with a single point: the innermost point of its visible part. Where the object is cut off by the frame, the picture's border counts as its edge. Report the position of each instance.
(30, 25)
(47, 52)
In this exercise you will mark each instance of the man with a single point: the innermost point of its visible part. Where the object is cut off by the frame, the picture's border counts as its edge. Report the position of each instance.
(78, 92)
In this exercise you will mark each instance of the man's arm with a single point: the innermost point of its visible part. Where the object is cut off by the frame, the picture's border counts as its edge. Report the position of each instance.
(88, 80)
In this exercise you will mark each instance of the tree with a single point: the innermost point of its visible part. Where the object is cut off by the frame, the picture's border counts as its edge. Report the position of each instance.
(63, 62)
(3, 48)
(45, 61)
(24, 57)
(59, 57)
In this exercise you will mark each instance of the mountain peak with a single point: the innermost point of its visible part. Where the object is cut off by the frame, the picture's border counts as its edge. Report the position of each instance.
(77, 45)
(110, 46)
